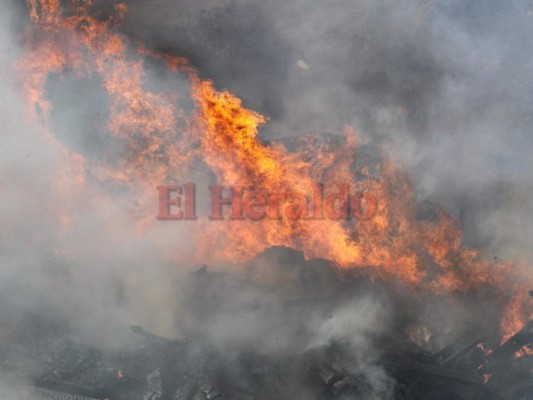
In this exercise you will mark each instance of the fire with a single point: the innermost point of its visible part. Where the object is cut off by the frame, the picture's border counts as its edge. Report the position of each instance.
(161, 142)
(484, 349)
(526, 351)
(513, 319)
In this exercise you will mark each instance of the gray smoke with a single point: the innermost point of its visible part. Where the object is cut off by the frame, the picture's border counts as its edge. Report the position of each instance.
(443, 85)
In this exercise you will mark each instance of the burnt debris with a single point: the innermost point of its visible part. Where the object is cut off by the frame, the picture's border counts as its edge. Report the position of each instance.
(199, 366)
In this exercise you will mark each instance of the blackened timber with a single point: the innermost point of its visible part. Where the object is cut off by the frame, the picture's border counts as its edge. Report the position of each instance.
(419, 368)
(459, 354)
(464, 390)
(507, 350)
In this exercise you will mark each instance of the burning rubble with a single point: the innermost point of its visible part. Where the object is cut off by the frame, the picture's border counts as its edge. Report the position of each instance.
(264, 308)
(325, 362)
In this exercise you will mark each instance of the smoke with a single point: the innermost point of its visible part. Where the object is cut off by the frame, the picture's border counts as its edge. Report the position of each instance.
(11, 388)
(293, 312)
(444, 86)
(100, 277)
(356, 323)
(75, 265)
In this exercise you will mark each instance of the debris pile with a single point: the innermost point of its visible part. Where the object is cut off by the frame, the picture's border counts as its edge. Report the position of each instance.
(198, 367)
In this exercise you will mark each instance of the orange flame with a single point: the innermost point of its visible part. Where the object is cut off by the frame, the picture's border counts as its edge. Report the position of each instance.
(526, 351)
(164, 144)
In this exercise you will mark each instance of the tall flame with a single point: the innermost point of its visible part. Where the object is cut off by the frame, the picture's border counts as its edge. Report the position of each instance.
(163, 144)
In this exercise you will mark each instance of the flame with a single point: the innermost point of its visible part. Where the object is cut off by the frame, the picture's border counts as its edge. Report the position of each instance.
(526, 351)
(484, 349)
(160, 142)
(515, 314)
